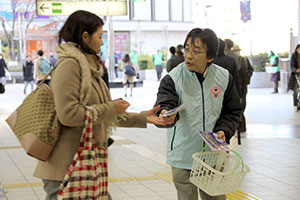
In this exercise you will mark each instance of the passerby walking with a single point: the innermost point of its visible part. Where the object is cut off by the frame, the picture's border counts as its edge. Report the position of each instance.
(42, 68)
(52, 60)
(2, 70)
(129, 73)
(245, 72)
(275, 77)
(158, 63)
(134, 59)
(179, 58)
(28, 70)
(172, 51)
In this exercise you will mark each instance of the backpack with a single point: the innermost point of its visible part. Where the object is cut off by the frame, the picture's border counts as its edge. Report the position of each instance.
(129, 71)
(45, 67)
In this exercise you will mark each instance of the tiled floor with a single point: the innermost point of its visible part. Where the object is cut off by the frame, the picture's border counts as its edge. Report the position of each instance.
(137, 167)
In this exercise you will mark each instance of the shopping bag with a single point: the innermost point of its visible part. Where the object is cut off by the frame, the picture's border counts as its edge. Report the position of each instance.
(87, 176)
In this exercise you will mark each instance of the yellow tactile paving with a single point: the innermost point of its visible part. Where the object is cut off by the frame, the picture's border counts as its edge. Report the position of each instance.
(11, 147)
(146, 178)
(239, 195)
(166, 176)
(123, 141)
(162, 175)
(22, 185)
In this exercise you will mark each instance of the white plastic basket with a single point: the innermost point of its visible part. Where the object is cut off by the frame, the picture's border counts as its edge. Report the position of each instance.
(271, 70)
(217, 172)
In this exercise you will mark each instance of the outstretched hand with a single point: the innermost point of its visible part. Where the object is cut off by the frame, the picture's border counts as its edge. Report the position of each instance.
(120, 105)
(153, 119)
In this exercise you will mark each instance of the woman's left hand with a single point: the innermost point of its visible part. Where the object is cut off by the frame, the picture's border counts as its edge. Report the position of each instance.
(153, 119)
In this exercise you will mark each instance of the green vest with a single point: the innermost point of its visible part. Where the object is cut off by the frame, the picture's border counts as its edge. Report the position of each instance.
(205, 106)
(134, 58)
(273, 61)
(158, 58)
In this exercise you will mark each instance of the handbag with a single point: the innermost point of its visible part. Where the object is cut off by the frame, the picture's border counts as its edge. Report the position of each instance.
(129, 71)
(35, 122)
(87, 176)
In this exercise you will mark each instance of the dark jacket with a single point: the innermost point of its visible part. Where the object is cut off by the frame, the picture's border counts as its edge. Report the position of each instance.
(2, 66)
(174, 61)
(294, 66)
(168, 63)
(53, 61)
(229, 63)
(28, 71)
(105, 75)
(168, 99)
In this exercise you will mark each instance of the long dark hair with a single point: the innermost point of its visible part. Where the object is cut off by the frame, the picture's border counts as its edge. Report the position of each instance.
(295, 54)
(77, 23)
(126, 58)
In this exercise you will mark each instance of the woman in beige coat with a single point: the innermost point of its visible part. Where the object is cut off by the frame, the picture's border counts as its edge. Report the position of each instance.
(76, 83)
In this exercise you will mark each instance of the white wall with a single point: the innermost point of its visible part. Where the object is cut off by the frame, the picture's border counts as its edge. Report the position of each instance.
(152, 40)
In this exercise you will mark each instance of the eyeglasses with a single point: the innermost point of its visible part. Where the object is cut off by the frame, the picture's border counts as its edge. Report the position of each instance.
(195, 53)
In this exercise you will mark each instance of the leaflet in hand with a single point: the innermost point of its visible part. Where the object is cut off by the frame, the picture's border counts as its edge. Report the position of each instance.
(175, 110)
(212, 140)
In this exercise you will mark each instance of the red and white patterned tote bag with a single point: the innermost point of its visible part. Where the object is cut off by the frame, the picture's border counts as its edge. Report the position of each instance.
(87, 175)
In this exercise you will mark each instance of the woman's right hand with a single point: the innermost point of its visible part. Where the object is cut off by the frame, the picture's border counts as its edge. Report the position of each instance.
(120, 105)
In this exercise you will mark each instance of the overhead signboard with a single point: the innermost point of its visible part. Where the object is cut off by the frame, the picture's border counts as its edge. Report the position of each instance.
(67, 7)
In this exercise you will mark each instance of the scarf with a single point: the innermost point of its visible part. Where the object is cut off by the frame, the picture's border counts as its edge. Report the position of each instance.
(87, 70)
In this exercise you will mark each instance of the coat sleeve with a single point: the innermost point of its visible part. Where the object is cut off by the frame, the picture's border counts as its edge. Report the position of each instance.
(137, 120)
(167, 97)
(231, 111)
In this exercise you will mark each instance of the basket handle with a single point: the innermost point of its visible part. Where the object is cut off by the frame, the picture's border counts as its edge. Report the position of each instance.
(240, 160)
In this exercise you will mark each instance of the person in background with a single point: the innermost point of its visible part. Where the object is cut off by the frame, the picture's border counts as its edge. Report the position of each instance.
(295, 71)
(158, 59)
(52, 60)
(275, 77)
(245, 72)
(228, 51)
(179, 58)
(28, 70)
(41, 62)
(77, 84)
(228, 63)
(2, 70)
(116, 66)
(172, 51)
(128, 80)
(213, 106)
(134, 60)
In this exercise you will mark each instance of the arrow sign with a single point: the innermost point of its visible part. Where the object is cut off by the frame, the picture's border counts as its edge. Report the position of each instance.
(42, 7)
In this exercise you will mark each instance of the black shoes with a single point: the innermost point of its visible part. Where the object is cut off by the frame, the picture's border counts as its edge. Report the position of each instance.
(275, 91)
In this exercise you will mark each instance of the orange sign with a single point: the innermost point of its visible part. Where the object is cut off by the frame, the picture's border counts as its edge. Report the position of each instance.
(34, 45)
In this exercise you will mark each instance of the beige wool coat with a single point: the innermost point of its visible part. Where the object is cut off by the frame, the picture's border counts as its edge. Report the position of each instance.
(76, 83)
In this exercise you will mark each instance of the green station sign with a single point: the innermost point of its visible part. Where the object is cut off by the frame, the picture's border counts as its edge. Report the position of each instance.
(65, 8)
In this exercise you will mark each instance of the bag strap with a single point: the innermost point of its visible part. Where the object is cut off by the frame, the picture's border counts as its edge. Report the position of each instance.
(87, 138)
